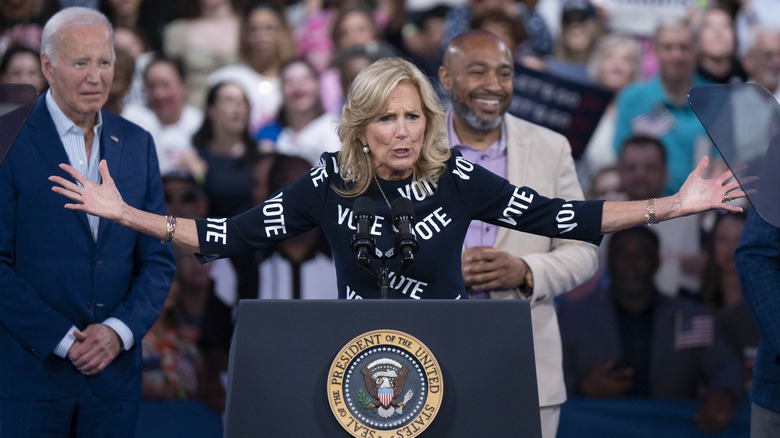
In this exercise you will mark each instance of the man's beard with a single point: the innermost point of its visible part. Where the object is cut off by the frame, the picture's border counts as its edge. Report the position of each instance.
(462, 110)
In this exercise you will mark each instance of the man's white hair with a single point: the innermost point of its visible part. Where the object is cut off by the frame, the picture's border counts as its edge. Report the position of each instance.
(754, 33)
(71, 17)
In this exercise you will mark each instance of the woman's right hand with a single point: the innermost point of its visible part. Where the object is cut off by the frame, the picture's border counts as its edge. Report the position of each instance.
(101, 200)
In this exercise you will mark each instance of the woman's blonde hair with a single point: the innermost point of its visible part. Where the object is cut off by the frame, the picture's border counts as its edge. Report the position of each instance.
(366, 97)
(605, 46)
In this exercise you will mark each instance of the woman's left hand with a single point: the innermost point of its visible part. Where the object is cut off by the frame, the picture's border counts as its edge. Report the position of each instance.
(698, 194)
(101, 200)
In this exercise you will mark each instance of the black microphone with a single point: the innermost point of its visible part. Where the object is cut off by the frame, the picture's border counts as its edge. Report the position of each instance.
(362, 242)
(405, 241)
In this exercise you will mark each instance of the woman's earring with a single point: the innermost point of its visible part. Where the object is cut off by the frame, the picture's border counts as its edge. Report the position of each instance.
(365, 149)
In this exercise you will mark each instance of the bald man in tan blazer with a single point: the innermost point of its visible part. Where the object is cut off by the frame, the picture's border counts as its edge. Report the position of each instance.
(477, 72)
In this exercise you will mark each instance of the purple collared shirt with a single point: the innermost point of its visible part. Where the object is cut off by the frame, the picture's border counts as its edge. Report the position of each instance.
(493, 159)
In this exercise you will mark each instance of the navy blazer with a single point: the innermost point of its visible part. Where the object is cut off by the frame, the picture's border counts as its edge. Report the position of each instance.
(758, 263)
(54, 275)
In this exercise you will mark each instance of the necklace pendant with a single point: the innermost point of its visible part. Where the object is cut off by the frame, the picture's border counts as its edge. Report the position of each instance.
(395, 229)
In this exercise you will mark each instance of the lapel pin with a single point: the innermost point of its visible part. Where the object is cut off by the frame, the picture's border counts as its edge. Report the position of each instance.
(113, 137)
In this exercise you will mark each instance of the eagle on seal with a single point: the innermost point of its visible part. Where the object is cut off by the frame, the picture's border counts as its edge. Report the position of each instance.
(385, 387)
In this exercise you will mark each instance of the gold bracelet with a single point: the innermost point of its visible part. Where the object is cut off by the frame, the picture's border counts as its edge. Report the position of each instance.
(650, 215)
(170, 228)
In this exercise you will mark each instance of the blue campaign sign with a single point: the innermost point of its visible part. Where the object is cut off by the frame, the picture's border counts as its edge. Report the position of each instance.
(570, 108)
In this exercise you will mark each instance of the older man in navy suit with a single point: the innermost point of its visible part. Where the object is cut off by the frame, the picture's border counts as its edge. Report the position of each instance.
(77, 293)
(758, 263)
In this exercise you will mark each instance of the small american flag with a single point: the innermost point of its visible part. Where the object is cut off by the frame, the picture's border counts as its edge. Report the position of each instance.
(655, 123)
(692, 331)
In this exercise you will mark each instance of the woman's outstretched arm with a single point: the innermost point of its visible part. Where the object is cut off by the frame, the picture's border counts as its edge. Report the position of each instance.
(104, 200)
(696, 195)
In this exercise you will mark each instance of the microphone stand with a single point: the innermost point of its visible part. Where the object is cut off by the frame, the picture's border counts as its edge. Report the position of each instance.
(383, 273)
(405, 243)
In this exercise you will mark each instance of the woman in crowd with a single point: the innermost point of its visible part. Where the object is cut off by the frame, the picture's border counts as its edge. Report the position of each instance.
(580, 33)
(229, 153)
(393, 146)
(22, 65)
(167, 116)
(314, 34)
(353, 26)
(718, 60)
(266, 44)
(303, 128)
(192, 40)
(614, 65)
(350, 63)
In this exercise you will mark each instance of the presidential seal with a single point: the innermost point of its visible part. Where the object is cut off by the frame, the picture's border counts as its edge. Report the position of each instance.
(385, 383)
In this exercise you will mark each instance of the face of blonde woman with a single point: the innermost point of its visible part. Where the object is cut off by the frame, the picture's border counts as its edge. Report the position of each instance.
(617, 67)
(395, 134)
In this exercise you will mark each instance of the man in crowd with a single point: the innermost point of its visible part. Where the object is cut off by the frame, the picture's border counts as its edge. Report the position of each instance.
(168, 118)
(477, 72)
(659, 107)
(762, 59)
(643, 175)
(78, 293)
(644, 344)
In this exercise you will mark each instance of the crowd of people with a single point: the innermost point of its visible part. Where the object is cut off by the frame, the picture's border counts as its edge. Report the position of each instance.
(242, 97)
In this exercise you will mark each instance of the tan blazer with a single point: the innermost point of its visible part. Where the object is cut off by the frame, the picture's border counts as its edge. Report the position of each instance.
(541, 159)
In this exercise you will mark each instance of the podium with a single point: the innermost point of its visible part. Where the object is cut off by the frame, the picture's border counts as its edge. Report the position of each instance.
(282, 351)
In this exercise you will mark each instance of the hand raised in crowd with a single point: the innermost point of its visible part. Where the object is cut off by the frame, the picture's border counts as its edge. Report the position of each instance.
(486, 268)
(608, 380)
(94, 349)
(101, 200)
(717, 411)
